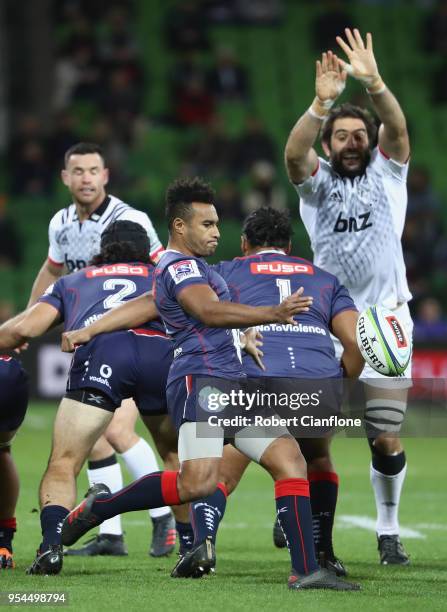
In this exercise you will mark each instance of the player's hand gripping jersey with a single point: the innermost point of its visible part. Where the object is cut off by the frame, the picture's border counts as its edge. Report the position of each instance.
(198, 349)
(305, 350)
(355, 227)
(74, 244)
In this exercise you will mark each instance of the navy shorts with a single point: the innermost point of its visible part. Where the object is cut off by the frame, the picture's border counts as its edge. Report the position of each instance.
(125, 364)
(184, 395)
(14, 392)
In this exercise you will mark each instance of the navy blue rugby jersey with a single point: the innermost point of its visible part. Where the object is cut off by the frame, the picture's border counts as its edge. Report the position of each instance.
(199, 350)
(305, 350)
(84, 296)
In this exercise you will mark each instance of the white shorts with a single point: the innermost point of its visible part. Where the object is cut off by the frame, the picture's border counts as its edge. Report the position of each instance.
(369, 376)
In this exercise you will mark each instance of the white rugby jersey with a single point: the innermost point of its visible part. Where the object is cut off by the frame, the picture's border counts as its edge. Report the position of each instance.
(355, 227)
(74, 244)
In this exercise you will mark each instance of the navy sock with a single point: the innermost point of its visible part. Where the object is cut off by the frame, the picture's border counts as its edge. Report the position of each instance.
(323, 487)
(295, 517)
(7, 530)
(51, 518)
(186, 536)
(151, 491)
(207, 513)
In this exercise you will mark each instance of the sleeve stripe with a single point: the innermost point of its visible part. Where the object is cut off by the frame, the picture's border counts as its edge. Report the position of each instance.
(316, 169)
(55, 263)
(157, 251)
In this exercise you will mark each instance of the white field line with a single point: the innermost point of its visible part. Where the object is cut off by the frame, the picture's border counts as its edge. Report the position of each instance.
(351, 521)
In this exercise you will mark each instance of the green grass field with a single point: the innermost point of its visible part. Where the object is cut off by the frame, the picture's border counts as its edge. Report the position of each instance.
(251, 574)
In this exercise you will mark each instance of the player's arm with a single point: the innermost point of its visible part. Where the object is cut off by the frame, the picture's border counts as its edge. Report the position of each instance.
(343, 327)
(300, 157)
(28, 324)
(131, 314)
(201, 302)
(48, 274)
(393, 134)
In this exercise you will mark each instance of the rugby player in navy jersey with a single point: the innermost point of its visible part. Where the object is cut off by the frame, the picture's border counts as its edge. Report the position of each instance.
(13, 405)
(130, 363)
(306, 351)
(194, 303)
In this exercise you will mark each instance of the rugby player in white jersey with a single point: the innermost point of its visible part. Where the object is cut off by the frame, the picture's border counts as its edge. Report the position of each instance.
(353, 207)
(74, 237)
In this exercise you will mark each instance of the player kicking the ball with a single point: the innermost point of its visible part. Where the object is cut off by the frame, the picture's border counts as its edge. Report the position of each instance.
(353, 207)
(194, 303)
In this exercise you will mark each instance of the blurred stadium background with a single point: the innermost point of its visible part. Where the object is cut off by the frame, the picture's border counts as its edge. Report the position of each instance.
(209, 87)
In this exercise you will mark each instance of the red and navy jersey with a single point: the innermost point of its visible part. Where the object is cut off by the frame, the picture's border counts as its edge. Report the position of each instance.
(198, 349)
(86, 295)
(305, 350)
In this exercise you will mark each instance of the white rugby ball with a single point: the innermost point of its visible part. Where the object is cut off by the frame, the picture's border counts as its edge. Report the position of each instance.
(383, 341)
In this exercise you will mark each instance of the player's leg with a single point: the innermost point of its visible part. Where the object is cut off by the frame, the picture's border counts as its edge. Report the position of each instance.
(282, 458)
(103, 467)
(9, 493)
(385, 411)
(323, 487)
(77, 427)
(13, 406)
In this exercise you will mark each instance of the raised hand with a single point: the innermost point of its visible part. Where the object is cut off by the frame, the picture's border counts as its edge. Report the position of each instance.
(330, 78)
(362, 63)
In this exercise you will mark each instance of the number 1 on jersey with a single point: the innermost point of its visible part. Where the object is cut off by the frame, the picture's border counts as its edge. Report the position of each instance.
(284, 287)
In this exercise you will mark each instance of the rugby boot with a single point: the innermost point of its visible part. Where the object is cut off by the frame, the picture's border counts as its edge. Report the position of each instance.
(81, 519)
(103, 544)
(164, 536)
(391, 550)
(279, 539)
(48, 562)
(198, 561)
(6, 560)
(320, 579)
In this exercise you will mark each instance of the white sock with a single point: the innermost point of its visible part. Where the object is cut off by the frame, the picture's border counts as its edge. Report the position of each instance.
(387, 490)
(111, 476)
(140, 460)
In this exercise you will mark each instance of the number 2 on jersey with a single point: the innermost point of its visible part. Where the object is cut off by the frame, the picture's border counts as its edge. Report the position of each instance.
(284, 287)
(127, 288)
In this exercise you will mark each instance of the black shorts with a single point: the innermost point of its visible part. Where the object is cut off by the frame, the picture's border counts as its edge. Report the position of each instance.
(14, 393)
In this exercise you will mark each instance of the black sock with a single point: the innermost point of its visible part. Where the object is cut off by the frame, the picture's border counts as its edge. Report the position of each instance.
(186, 536)
(323, 487)
(51, 518)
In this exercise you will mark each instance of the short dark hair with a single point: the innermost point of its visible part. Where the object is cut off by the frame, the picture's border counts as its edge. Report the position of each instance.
(84, 148)
(348, 110)
(122, 242)
(268, 227)
(182, 193)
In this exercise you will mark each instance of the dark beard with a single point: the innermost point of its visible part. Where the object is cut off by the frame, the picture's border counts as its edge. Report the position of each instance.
(339, 168)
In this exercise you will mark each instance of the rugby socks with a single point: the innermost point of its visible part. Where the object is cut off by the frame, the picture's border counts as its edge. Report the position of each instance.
(107, 471)
(295, 517)
(206, 514)
(151, 491)
(140, 460)
(51, 518)
(323, 487)
(7, 530)
(387, 478)
(186, 536)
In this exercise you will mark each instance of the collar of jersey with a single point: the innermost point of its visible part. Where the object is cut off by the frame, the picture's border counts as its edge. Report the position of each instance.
(267, 251)
(97, 213)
